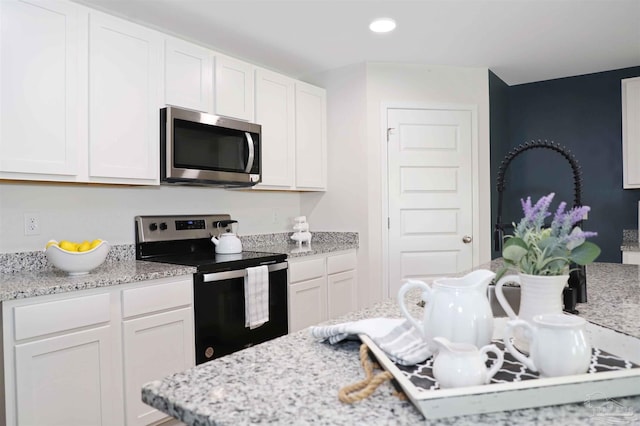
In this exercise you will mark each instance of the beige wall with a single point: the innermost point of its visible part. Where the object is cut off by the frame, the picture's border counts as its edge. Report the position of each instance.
(79, 212)
(356, 168)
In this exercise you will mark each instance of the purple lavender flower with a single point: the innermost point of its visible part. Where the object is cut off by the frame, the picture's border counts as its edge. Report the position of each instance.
(534, 216)
(556, 224)
(526, 207)
(577, 213)
(577, 237)
(550, 251)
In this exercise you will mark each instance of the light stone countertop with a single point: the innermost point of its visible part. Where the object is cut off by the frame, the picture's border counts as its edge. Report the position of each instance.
(295, 380)
(29, 274)
(52, 281)
(321, 243)
(630, 240)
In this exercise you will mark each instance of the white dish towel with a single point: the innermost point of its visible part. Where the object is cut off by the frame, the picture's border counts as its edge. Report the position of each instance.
(400, 340)
(256, 296)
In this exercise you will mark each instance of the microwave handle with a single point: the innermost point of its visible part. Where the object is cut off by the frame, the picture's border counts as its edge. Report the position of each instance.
(251, 157)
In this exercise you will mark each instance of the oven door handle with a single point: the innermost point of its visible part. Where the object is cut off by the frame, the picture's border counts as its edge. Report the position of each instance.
(239, 273)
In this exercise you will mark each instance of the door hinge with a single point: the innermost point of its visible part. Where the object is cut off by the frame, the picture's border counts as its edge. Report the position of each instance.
(388, 223)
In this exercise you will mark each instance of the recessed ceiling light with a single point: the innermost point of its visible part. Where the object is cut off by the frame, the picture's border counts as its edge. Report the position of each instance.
(382, 25)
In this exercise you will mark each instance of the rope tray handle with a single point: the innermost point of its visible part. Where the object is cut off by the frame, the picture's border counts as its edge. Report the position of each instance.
(363, 389)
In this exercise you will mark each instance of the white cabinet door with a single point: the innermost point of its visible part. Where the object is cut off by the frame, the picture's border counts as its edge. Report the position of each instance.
(275, 96)
(124, 87)
(154, 347)
(631, 132)
(311, 138)
(342, 293)
(631, 257)
(307, 303)
(188, 75)
(66, 380)
(234, 95)
(38, 90)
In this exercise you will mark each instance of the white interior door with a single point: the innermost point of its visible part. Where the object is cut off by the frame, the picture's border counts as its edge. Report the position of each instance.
(430, 193)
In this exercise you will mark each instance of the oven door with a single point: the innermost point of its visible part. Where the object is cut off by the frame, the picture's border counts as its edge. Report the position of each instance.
(208, 149)
(219, 312)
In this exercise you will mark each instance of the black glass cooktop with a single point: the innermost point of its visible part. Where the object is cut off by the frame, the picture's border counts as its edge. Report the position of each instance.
(214, 262)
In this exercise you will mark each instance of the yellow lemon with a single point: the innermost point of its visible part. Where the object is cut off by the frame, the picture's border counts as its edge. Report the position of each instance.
(51, 243)
(94, 243)
(67, 245)
(84, 246)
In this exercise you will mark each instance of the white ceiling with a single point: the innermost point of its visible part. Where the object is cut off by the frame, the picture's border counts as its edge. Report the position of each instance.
(520, 40)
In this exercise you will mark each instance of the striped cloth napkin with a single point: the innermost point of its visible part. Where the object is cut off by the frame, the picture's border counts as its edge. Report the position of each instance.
(400, 341)
(256, 296)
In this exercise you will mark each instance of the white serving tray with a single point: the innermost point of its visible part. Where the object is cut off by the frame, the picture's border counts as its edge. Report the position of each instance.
(439, 403)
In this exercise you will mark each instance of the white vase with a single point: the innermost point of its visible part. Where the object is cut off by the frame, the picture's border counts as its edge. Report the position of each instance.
(539, 294)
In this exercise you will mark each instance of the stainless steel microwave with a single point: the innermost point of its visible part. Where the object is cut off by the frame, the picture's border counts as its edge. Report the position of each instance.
(204, 149)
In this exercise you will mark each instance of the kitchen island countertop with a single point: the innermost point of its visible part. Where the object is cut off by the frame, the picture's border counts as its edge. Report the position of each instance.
(295, 380)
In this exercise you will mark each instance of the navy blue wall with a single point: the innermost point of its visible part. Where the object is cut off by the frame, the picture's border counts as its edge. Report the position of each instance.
(582, 113)
(499, 135)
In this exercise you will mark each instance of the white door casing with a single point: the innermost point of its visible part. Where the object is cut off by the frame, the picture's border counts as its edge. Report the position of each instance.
(430, 192)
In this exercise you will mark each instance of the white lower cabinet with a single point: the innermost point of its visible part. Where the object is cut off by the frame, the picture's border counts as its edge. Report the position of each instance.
(308, 303)
(81, 358)
(154, 347)
(66, 380)
(320, 288)
(341, 289)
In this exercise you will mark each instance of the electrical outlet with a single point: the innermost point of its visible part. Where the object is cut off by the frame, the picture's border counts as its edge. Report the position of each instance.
(31, 224)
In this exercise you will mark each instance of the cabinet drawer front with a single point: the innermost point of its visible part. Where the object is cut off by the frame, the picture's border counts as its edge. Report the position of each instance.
(158, 297)
(52, 317)
(309, 269)
(341, 263)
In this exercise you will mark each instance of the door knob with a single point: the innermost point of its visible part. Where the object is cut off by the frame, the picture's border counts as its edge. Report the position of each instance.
(467, 239)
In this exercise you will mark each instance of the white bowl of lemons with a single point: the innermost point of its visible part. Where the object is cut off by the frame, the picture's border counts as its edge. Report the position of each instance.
(77, 258)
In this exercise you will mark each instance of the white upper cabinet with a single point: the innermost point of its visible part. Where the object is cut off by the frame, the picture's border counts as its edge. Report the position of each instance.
(631, 132)
(234, 93)
(311, 137)
(275, 112)
(188, 75)
(38, 90)
(124, 87)
(81, 90)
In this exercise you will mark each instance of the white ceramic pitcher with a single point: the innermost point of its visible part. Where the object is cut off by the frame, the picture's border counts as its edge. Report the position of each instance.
(558, 345)
(538, 295)
(456, 308)
(461, 364)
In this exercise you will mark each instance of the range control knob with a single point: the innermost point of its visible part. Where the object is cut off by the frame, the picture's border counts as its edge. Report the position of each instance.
(153, 226)
(163, 226)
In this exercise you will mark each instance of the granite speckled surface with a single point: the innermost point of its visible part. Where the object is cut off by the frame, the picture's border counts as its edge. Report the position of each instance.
(29, 274)
(630, 240)
(52, 281)
(321, 243)
(11, 263)
(295, 380)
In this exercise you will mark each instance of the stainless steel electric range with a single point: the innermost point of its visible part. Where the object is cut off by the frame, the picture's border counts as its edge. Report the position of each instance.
(218, 288)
